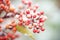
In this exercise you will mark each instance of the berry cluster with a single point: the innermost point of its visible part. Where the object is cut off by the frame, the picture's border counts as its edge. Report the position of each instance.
(26, 15)
(5, 34)
(6, 9)
(30, 18)
(4, 5)
(9, 32)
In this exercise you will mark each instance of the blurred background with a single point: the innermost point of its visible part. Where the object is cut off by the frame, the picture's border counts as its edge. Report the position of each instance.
(52, 24)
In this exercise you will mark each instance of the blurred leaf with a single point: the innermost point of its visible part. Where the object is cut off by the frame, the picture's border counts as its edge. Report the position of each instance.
(24, 30)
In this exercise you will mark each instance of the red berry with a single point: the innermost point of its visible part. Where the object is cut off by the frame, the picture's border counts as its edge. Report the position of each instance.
(34, 30)
(27, 12)
(42, 29)
(41, 20)
(42, 13)
(38, 31)
(34, 16)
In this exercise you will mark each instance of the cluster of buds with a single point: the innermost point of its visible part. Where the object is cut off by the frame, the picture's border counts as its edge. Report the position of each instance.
(32, 19)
